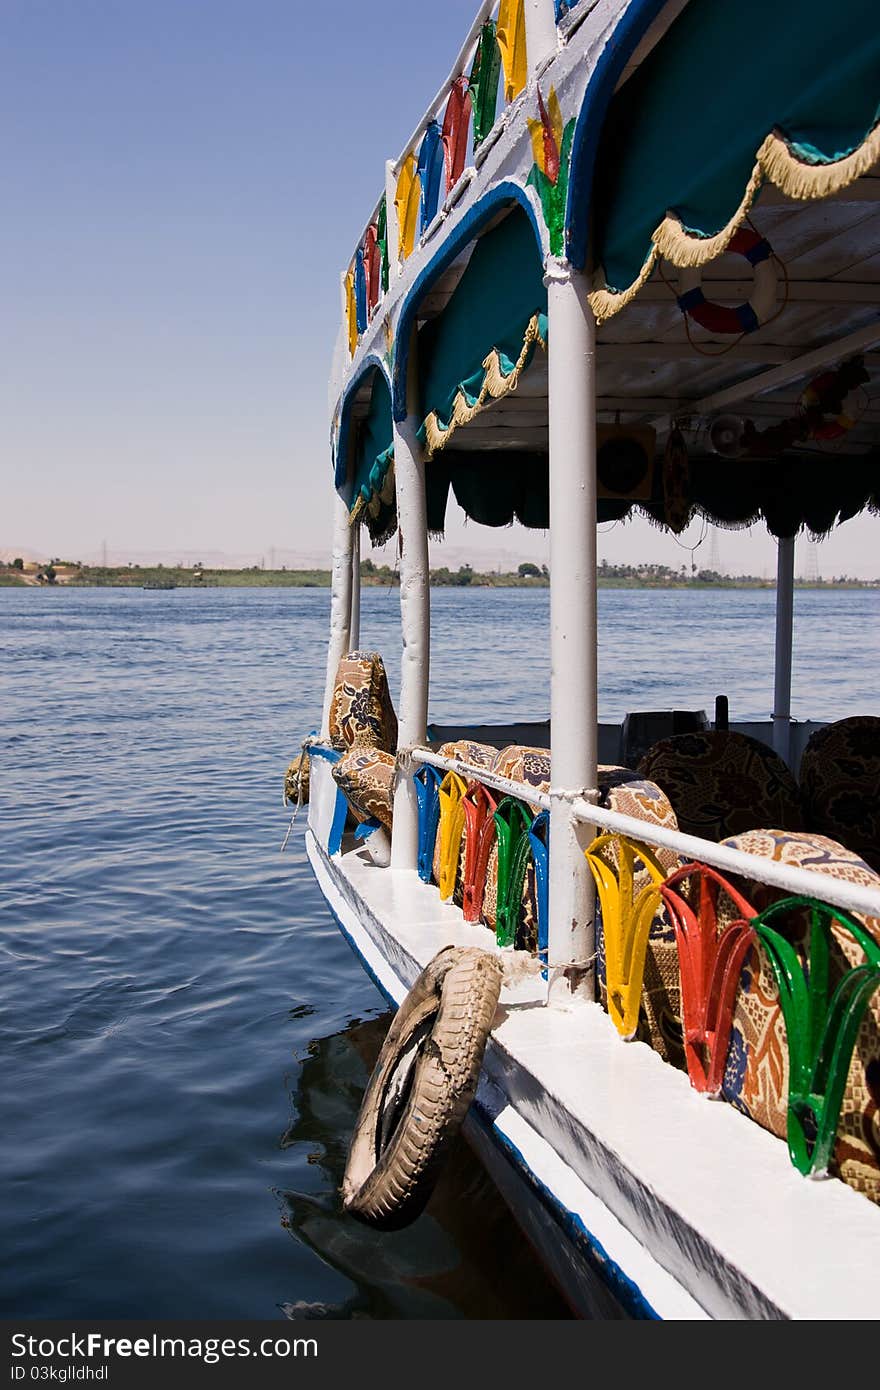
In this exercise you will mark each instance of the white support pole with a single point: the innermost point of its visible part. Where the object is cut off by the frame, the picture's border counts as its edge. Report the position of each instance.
(542, 36)
(573, 673)
(784, 631)
(415, 614)
(340, 604)
(354, 626)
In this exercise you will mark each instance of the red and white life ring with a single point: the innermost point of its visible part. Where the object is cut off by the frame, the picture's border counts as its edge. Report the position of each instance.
(725, 318)
(826, 393)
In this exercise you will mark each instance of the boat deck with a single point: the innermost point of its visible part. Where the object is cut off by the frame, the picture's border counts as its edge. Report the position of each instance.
(611, 1129)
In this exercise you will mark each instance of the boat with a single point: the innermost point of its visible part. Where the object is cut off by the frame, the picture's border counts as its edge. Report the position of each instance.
(626, 262)
(159, 584)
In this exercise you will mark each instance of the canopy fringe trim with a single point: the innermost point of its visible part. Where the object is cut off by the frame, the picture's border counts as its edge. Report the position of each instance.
(496, 383)
(774, 163)
(373, 505)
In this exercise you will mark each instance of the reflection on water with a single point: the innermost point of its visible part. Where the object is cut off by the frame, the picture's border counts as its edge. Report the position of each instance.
(463, 1257)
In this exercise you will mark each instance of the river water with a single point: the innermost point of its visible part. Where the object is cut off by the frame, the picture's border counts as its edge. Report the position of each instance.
(184, 1033)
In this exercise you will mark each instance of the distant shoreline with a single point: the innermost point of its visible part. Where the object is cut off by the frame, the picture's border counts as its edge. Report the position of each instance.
(65, 575)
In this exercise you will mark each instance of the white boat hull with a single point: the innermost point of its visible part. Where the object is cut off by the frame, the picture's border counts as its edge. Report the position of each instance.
(641, 1196)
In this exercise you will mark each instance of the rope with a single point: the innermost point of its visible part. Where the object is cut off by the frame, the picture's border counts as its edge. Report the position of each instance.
(289, 828)
(405, 760)
(590, 794)
(303, 753)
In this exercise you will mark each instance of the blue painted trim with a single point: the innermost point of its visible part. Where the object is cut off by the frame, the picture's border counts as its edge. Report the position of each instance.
(389, 999)
(337, 829)
(502, 195)
(330, 755)
(634, 24)
(624, 1289)
(366, 828)
(340, 810)
(371, 361)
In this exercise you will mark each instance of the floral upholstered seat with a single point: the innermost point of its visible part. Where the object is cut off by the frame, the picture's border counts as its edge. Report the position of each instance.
(756, 1077)
(361, 712)
(363, 728)
(840, 784)
(723, 783)
(366, 775)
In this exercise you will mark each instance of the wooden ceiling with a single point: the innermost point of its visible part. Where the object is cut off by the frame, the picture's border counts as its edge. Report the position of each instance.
(649, 371)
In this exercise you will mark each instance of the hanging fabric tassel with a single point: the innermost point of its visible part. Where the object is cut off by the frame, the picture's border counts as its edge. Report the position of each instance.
(676, 482)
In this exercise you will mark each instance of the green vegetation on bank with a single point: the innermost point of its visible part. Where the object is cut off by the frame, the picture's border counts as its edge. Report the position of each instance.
(69, 574)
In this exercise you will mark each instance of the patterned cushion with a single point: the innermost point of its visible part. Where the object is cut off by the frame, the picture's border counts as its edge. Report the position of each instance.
(531, 766)
(361, 712)
(756, 1077)
(840, 784)
(366, 776)
(723, 783)
(476, 754)
(489, 908)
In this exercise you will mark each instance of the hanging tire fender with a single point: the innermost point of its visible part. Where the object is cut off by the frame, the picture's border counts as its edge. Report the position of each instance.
(421, 1087)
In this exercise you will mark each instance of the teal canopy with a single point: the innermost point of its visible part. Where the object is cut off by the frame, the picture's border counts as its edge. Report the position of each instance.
(373, 451)
(683, 132)
(492, 306)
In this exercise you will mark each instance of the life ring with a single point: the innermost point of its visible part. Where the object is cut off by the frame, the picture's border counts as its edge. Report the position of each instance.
(421, 1088)
(829, 391)
(724, 318)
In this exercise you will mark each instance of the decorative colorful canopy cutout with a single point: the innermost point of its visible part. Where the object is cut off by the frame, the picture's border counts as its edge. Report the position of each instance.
(430, 173)
(456, 126)
(407, 202)
(484, 82)
(511, 36)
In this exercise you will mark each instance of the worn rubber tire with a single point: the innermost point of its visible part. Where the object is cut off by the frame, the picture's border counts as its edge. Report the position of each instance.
(452, 1004)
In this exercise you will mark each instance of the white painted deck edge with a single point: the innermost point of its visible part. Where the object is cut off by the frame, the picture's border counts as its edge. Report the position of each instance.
(576, 1203)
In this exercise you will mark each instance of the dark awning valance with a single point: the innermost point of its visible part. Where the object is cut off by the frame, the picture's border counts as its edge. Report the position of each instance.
(787, 494)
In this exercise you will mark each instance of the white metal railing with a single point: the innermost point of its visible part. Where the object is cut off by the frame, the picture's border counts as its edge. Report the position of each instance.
(481, 774)
(851, 897)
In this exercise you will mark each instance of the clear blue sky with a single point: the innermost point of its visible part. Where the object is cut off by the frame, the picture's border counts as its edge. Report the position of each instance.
(182, 183)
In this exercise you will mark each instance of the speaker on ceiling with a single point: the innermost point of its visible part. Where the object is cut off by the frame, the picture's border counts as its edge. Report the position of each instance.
(726, 436)
(625, 461)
